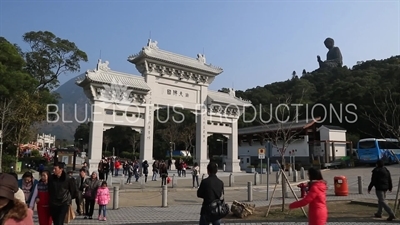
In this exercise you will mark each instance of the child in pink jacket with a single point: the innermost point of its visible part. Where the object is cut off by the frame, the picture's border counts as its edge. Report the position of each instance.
(103, 198)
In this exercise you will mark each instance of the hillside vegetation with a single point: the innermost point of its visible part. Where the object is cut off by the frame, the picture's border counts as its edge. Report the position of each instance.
(372, 86)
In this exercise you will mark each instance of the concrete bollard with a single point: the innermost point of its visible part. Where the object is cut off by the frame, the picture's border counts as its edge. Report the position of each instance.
(164, 196)
(121, 182)
(278, 178)
(360, 185)
(256, 179)
(142, 184)
(116, 197)
(173, 180)
(302, 173)
(295, 176)
(231, 180)
(249, 191)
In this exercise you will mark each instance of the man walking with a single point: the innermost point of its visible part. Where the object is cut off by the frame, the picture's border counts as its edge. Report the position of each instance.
(80, 181)
(382, 181)
(211, 188)
(62, 190)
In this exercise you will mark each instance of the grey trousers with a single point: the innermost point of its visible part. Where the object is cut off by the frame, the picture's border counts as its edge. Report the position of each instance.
(382, 203)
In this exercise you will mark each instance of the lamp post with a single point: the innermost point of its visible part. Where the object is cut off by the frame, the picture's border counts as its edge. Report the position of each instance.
(170, 148)
(222, 146)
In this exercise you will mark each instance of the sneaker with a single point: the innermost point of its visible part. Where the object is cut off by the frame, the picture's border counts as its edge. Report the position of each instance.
(104, 219)
(85, 217)
(390, 218)
(90, 218)
(376, 215)
(99, 218)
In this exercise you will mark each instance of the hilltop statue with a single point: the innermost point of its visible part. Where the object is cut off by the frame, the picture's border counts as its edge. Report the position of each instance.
(333, 57)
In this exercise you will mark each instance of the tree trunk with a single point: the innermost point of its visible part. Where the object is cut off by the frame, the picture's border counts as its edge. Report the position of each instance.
(283, 182)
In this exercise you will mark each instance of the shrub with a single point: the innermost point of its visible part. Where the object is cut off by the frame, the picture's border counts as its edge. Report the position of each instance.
(35, 153)
(8, 161)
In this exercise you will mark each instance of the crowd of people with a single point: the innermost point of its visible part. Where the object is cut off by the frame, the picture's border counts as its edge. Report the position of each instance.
(52, 196)
(54, 192)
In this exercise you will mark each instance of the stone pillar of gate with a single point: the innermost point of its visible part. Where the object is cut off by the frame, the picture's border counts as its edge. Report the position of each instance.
(201, 132)
(96, 136)
(232, 161)
(146, 137)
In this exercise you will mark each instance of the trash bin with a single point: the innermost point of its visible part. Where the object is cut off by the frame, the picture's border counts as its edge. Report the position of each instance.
(341, 186)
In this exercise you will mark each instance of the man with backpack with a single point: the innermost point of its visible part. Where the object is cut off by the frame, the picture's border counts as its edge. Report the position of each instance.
(211, 190)
(382, 181)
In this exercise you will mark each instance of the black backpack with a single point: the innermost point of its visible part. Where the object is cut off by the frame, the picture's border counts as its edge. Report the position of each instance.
(217, 209)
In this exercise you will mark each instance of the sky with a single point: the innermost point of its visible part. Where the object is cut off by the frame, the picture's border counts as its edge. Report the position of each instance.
(255, 42)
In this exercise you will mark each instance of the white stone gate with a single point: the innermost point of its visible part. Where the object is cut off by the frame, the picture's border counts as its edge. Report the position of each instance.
(167, 79)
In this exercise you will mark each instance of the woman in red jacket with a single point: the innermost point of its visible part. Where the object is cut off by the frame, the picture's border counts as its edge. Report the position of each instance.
(316, 197)
(41, 198)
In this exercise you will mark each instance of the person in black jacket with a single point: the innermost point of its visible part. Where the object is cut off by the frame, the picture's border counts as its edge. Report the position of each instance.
(382, 181)
(211, 188)
(62, 190)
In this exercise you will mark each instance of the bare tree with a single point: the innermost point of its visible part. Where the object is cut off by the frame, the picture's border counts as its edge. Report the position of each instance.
(106, 140)
(134, 140)
(281, 131)
(188, 136)
(5, 111)
(386, 114)
(171, 134)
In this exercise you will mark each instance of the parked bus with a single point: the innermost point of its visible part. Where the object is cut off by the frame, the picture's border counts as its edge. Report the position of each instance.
(369, 150)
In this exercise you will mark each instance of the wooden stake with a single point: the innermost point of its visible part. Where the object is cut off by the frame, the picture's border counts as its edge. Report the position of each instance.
(294, 193)
(273, 193)
(396, 203)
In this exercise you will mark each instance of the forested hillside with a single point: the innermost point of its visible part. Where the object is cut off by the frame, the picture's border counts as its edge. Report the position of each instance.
(373, 86)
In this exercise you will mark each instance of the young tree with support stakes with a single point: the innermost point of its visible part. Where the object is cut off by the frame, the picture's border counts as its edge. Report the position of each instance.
(280, 125)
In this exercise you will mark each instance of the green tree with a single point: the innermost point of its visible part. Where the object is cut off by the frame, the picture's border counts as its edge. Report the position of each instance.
(51, 56)
(82, 133)
(14, 81)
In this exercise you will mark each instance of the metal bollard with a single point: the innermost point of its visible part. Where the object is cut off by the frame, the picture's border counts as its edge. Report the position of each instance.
(295, 176)
(116, 197)
(360, 185)
(278, 178)
(231, 180)
(256, 178)
(289, 172)
(164, 196)
(302, 173)
(249, 191)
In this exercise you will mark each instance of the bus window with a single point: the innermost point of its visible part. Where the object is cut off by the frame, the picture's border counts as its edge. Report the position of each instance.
(387, 145)
(366, 145)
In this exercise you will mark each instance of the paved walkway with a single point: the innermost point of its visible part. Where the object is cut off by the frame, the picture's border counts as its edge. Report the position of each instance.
(183, 213)
(142, 206)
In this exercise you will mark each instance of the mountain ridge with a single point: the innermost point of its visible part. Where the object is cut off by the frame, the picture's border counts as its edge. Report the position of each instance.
(72, 104)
